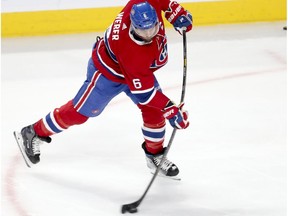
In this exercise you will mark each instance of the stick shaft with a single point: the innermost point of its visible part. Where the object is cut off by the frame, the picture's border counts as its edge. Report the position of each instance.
(138, 202)
(184, 67)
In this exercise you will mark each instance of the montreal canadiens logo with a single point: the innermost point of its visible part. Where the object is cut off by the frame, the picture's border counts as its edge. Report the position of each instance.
(163, 54)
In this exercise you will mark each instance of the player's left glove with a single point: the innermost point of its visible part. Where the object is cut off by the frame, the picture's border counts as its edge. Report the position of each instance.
(181, 19)
(177, 118)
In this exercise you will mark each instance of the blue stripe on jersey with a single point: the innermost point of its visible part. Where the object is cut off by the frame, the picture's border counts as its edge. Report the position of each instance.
(110, 70)
(51, 124)
(110, 52)
(145, 97)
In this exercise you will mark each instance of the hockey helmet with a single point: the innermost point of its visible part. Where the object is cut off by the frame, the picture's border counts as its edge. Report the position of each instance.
(144, 20)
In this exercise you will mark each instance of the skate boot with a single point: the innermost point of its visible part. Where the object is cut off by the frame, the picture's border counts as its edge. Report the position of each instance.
(29, 144)
(167, 169)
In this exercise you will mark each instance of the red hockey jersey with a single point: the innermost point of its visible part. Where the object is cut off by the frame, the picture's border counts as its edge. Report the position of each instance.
(121, 58)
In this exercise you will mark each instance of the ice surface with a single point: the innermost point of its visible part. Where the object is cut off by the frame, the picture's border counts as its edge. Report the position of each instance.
(232, 158)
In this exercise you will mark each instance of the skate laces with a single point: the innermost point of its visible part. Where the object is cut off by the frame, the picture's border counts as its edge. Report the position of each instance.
(165, 165)
(36, 145)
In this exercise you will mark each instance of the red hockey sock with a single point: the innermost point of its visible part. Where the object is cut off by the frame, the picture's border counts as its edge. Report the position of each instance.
(154, 147)
(59, 120)
(153, 128)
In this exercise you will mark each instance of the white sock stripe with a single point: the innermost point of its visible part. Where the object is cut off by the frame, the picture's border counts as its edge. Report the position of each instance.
(153, 134)
(47, 126)
(154, 130)
(55, 122)
(153, 139)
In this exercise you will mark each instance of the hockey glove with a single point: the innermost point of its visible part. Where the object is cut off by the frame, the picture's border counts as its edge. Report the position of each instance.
(177, 118)
(181, 19)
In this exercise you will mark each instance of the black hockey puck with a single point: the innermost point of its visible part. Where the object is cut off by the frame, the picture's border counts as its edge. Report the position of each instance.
(129, 208)
(285, 28)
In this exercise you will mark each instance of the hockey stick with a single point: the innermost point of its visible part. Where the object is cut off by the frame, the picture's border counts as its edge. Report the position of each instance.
(132, 207)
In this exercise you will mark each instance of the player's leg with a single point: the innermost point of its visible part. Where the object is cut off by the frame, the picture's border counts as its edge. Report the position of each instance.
(31, 136)
(153, 130)
(90, 101)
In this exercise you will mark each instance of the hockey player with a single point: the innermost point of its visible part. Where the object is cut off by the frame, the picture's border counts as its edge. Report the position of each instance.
(112, 70)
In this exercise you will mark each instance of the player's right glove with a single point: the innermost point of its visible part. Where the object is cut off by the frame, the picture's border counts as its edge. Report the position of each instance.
(181, 19)
(177, 118)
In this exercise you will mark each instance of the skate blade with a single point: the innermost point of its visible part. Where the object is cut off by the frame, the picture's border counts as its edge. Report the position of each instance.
(177, 178)
(19, 141)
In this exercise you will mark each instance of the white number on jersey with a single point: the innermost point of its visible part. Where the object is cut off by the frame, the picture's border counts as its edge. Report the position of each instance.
(137, 83)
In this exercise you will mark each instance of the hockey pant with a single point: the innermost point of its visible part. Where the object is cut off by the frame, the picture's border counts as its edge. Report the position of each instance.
(92, 98)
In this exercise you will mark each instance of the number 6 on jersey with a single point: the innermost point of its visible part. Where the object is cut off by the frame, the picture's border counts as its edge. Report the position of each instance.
(137, 83)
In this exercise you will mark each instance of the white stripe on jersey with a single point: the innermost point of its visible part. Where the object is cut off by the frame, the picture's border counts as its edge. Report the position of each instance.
(142, 91)
(150, 98)
(109, 68)
(88, 91)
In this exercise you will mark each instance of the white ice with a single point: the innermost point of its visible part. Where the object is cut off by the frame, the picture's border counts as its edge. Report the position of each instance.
(232, 158)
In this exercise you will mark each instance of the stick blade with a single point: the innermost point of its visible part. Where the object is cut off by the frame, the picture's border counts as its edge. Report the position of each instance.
(131, 207)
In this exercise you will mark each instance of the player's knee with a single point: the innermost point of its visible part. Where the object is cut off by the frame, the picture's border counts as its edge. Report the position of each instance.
(67, 115)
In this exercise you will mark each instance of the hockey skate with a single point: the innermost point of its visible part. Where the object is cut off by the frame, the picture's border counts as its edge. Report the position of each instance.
(29, 144)
(167, 169)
